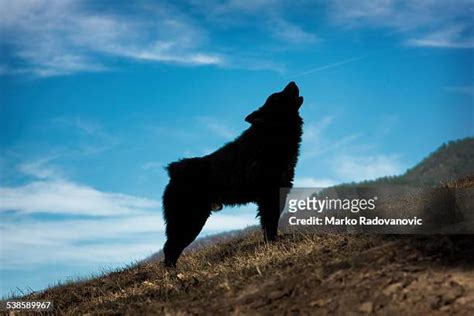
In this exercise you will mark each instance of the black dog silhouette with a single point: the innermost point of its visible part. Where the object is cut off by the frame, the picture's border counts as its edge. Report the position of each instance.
(252, 168)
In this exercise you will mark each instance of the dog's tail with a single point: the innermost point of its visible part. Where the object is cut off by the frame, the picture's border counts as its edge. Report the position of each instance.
(189, 167)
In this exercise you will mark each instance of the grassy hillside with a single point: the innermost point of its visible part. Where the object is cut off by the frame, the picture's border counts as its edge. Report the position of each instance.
(451, 161)
(324, 274)
(298, 274)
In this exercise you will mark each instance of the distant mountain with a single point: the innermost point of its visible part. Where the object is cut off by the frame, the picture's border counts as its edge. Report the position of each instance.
(449, 162)
(453, 160)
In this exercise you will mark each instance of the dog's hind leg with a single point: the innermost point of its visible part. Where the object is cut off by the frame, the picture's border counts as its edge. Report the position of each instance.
(180, 233)
(184, 222)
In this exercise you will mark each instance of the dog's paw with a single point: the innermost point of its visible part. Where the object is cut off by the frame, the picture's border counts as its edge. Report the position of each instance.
(168, 264)
(271, 239)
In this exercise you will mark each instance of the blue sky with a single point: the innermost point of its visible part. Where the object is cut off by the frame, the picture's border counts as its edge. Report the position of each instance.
(95, 98)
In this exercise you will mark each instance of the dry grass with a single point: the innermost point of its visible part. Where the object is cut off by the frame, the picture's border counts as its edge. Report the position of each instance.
(299, 273)
(216, 269)
(466, 182)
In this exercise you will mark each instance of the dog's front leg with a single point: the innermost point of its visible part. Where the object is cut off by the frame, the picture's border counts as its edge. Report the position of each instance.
(269, 212)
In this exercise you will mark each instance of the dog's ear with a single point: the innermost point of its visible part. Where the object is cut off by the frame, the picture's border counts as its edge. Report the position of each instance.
(299, 103)
(254, 117)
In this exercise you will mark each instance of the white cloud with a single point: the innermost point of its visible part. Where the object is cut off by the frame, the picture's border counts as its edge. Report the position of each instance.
(451, 37)
(87, 126)
(369, 167)
(50, 38)
(316, 143)
(34, 232)
(345, 158)
(308, 182)
(64, 37)
(401, 15)
(94, 138)
(50, 192)
(65, 197)
(113, 228)
(40, 168)
(111, 232)
(220, 129)
(266, 16)
(290, 32)
(153, 165)
(422, 23)
(313, 131)
(357, 13)
(115, 240)
(225, 222)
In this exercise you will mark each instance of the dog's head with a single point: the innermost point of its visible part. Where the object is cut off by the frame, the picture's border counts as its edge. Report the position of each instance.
(280, 107)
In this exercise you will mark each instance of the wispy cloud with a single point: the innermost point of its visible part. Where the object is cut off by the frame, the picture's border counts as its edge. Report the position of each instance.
(346, 158)
(153, 165)
(50, 38)
(114, 240)
(106, 215)
(309, 182)
(113, 228)
(367, 167)
(439, 24)
(268, 17)
(40, 168)
(95, 138)
(64, 37)
(59, 196)
(290, 32)
(328, 66)
(450, 37)
(87, 126)
(217, 127)
(316, 142)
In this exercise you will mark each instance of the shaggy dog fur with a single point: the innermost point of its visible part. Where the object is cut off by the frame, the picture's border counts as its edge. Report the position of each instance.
(252, 168)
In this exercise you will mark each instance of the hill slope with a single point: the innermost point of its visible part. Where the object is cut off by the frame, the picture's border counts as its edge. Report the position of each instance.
(450, 161)
(324, 274)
